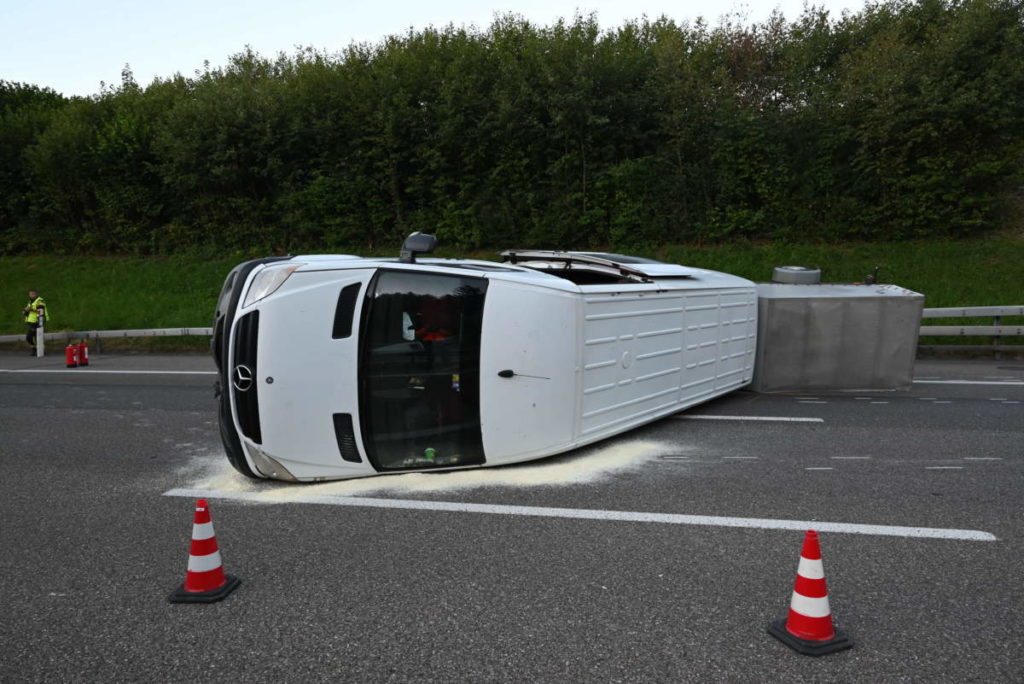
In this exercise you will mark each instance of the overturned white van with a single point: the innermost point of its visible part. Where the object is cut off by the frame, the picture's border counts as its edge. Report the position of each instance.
(335, 367)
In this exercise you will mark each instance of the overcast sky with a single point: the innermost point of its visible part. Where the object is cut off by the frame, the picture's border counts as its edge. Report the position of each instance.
(73, 45)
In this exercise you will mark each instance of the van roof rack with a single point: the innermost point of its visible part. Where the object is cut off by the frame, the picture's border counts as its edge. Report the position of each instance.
(593, 261)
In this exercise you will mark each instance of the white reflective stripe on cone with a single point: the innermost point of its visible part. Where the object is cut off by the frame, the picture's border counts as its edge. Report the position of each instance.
(210, 561)
(811, 569)
(202, 530)
(810, 607)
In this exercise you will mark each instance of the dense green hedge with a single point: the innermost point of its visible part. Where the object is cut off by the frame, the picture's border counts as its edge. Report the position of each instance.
(905, 120)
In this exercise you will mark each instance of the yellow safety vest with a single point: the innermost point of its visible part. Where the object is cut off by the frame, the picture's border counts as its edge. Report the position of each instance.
(33, 310)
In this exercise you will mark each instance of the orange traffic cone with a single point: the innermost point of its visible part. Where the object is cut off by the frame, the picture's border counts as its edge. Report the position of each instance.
(808, 628)
(205, 581)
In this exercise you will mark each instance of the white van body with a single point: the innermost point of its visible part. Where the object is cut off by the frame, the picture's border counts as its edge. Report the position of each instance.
(334, 374)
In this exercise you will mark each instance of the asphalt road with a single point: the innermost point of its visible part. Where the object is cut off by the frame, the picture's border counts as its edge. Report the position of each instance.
(93, 544)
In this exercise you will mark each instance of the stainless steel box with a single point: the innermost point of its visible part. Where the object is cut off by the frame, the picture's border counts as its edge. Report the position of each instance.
(834, 336)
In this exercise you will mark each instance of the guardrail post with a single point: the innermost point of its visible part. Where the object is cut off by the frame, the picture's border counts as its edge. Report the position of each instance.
(996, 320)
(40, 339)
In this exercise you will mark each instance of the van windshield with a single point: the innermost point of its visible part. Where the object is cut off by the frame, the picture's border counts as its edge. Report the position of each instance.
(420, 370)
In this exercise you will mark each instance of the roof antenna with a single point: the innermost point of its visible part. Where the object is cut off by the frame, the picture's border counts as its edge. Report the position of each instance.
(417, 243)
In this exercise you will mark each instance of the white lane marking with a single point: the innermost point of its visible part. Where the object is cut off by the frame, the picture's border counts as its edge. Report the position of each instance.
(982, 458)
(927, 398)
(78, 371)
(819, 468)
(781, 419)
(850, 458)
(597, 514)
(879, 402)
(943, 467)
(743, 458)
(1011, 402)
(1002, 399)
(965, 382)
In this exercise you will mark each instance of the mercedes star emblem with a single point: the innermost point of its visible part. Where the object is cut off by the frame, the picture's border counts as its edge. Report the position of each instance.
(241, 378)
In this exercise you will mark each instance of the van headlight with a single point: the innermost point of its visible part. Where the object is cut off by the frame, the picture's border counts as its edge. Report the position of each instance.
(266, 282)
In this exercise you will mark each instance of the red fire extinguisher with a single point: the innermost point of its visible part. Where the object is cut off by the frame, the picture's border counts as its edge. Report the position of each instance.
(83, 353)
(71, 355)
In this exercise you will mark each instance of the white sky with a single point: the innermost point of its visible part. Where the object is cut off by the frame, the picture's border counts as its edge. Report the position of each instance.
(72, 45)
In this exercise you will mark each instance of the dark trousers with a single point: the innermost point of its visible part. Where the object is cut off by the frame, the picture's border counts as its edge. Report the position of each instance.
(30, 336)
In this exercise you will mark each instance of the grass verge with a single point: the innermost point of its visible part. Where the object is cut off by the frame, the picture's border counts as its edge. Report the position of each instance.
(115, 293)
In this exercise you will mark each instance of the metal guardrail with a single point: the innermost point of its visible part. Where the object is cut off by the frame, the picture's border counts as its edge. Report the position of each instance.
(965, 312)
(101, 334)
(996, 330)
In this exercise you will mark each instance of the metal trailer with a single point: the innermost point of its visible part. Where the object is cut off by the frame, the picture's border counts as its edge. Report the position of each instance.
(833, 336)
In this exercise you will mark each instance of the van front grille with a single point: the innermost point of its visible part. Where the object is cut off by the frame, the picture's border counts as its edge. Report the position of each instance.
(243, 376)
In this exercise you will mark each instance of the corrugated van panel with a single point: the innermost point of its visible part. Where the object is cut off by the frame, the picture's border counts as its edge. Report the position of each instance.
(647, 354)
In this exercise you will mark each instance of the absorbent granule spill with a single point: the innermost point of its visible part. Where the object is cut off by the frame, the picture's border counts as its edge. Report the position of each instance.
(580, 467)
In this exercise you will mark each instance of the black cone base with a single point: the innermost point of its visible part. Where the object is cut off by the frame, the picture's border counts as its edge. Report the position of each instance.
(812, 648)
(218, 594)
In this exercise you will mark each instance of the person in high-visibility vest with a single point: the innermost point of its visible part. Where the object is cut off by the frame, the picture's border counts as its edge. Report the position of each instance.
(34, 311)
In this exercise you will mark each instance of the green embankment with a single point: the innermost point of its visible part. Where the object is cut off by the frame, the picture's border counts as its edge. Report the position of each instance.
(113, 293)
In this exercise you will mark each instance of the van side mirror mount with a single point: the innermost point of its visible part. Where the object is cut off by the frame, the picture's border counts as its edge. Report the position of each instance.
(417, 243)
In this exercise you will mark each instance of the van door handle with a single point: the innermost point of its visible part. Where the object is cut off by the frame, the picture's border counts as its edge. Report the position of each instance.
(509, 373)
